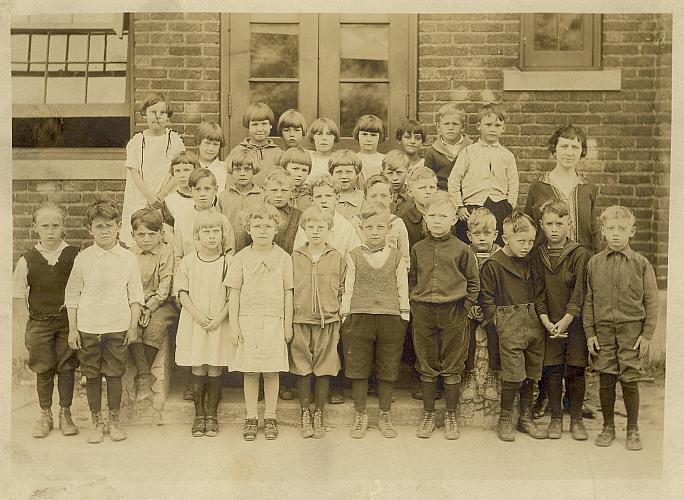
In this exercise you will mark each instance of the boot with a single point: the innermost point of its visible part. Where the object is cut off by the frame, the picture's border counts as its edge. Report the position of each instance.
(451, 430)
(426, 425)
(144, 387)
(318, 429)
(555, 428)
(504, 427)
(385, 425)
(44, 425)
(66, 424)
(307, 429)
(490, 391)
(527, 425)
(96, 434)
(115, 432)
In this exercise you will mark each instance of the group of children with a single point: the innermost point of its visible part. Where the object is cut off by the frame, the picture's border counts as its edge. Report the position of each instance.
(316, 262)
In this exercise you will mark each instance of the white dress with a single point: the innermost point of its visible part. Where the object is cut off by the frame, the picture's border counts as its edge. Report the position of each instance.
(262, 281)
(319, 166)
(203, 281)
(151, 156)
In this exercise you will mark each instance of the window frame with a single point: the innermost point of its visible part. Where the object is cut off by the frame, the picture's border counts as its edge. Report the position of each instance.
(235, 66)
(23, 156)
(531, 60)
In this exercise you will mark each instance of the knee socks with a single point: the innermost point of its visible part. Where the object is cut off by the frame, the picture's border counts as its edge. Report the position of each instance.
(114, 388)
(251, 389)
(150, 354)
(385, 394)
(577, 385)
(213, 388)
(137, 351)
(451, 395)
(630, 394)
(45, 384)
(508, 392)
(607, 382)
(65, 387)
(554, 387)
(271, 385)
(94, 394)
(322, 389)
(304, 390)
(526, 390)
(199, 388)
(360, 393)
(429, 394)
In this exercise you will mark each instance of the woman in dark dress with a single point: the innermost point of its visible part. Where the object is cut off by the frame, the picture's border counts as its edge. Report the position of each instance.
(568, 145)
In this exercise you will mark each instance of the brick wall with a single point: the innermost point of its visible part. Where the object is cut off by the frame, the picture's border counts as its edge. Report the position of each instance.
(461, 57)
(179, 54)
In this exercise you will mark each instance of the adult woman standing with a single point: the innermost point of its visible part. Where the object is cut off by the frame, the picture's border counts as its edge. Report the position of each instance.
(568, 145)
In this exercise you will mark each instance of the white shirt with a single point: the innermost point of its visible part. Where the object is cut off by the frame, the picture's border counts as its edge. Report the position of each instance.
(218, 168)
(20, 286)
(102, 286)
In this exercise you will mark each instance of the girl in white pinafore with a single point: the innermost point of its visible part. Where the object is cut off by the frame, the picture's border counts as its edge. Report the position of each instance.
(148, 162)
(261, 294)
(203, 338)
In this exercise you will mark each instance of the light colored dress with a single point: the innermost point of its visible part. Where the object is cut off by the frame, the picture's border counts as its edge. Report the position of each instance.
(262, 281)
(151, 155)
(203, 281)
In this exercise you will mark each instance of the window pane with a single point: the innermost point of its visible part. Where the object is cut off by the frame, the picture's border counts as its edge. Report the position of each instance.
(278, 95)
(57, 48)
(117, 49)
(77, 132)
(96, 52)
(65, 90)
(571, 31)
(38, 47)
(20, 47)
(19, 67)
(274, 51)
(78, 48)
(364, 51)
(107, 89)
(27, 89)
(357, 99)
(545, 32)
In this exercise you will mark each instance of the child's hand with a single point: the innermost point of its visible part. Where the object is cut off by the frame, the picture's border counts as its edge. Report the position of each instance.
(563, 325)
(288, 333)
(463, 214)
(214, 324)
(593, 345)
(131, 335)
(550, 327)
(343, 317)
(74, 340)
(203, 320)
(145, 317)
(475, 313)
(642, 344)
(154, 201)
(235, 335)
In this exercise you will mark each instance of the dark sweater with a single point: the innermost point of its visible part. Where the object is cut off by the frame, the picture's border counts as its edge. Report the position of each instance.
(443, 270)
(413, 220)
(47, 283)
(440, 160)
(588, 230)
(504, 281)
(560, 286)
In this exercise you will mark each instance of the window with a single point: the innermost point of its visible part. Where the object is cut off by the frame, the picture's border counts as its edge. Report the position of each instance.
(560, 41)
(335, 65)
(69, 76)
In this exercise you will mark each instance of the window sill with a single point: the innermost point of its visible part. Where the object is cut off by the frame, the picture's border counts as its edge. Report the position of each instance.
(60, 164)
(606, 79)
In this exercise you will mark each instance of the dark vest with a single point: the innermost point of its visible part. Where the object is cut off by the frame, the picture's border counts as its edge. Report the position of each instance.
(46, 283)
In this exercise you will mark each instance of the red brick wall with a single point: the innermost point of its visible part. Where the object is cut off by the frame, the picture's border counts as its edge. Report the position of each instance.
(461, 58)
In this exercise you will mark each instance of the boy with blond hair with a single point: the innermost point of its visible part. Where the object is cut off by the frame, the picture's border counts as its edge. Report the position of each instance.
(485, 174)
(395, 166)
(619, 316)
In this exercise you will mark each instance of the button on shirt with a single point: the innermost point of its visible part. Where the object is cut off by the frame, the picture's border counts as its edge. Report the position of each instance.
(621, 288)
(484, 171)
(102, 285)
